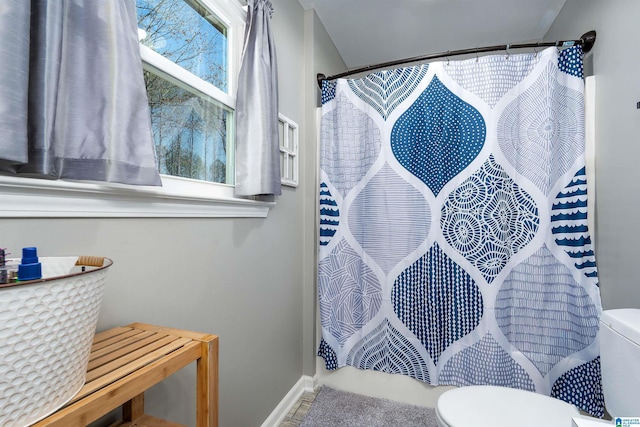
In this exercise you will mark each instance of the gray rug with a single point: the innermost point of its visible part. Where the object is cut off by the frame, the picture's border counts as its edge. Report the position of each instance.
(335, 408)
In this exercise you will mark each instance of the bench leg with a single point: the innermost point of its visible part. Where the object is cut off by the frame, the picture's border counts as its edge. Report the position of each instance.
(134, 408)
(207, 385)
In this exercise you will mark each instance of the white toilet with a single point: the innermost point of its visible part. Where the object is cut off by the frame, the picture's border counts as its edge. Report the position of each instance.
(491, 406)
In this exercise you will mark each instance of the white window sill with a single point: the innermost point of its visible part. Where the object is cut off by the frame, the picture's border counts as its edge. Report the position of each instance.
(177, 198)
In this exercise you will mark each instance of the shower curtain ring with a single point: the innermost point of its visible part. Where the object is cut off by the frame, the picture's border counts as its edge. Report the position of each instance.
(507, 50)
(477, 47)
(448, 57)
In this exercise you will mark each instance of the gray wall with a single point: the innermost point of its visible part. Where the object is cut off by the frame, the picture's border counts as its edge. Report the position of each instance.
(615, 62)
(242, 279)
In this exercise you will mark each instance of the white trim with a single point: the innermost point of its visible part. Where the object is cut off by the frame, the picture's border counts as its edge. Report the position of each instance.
(289, 150)
(304, 384)
(38, 198)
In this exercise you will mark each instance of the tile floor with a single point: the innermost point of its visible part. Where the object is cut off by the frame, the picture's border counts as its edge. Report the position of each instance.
(299, 410)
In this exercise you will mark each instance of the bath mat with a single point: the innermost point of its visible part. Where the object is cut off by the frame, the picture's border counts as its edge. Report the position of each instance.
(337, 408)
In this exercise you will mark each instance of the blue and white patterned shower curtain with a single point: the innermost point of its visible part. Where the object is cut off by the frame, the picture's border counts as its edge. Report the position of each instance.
(453, 240)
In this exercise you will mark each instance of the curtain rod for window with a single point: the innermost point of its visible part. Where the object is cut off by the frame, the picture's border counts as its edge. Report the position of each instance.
(586, 41)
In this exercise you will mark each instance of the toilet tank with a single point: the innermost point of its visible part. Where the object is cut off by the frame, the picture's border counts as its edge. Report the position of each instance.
(620, 361)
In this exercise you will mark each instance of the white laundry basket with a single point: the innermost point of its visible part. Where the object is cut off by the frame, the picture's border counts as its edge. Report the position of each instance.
(46, 331)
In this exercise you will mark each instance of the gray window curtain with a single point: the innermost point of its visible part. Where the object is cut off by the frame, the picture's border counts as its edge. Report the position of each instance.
(257, 144)
(73, 102)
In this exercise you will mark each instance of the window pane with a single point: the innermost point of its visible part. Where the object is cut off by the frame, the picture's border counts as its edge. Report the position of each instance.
(187, 34)
(190, 131)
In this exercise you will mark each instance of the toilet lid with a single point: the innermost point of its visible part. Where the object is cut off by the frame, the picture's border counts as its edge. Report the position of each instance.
(491, 406)
(625, 321)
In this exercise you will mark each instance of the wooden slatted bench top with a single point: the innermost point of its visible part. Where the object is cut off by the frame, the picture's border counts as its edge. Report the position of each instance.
(119, 352)
(125, 361)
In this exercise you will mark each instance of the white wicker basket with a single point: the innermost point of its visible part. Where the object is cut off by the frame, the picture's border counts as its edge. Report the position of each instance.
(46, 331)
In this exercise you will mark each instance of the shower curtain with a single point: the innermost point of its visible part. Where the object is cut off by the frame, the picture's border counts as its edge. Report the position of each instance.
(454, 245)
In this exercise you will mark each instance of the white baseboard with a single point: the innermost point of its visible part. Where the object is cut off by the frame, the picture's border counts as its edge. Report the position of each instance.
(305, 383)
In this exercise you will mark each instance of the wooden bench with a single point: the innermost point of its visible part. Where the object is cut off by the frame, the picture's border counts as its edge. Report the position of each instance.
(126, 361)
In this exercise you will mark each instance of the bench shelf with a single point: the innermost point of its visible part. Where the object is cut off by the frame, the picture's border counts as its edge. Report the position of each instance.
(126, 361)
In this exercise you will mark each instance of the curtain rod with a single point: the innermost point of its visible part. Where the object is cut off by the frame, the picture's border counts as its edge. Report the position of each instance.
(586, 41)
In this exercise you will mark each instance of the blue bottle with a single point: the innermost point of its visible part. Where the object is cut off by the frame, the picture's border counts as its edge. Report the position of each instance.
(30, 268)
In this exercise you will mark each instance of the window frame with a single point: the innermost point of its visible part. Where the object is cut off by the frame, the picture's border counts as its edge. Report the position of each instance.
(233, 16)
(289, 148)
(178, 197)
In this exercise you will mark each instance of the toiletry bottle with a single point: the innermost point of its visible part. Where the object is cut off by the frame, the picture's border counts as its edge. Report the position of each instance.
(30, 268)
(4, 276)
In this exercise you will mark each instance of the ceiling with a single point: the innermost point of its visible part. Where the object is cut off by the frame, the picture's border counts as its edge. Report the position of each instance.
(368, 32)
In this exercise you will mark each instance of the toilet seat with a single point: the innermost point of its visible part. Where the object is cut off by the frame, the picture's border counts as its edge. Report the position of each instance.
(492, 406)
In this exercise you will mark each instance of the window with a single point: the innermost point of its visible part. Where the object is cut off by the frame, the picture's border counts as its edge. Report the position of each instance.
(191, 54)
(186, 55)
